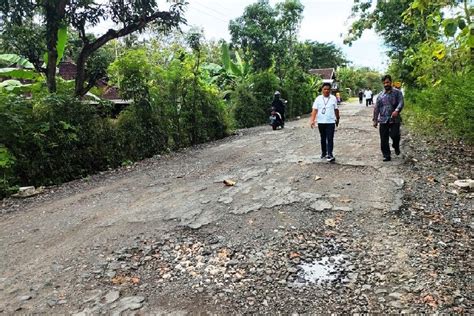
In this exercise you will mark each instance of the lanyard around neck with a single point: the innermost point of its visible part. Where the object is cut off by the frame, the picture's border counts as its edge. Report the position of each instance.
(326, 102)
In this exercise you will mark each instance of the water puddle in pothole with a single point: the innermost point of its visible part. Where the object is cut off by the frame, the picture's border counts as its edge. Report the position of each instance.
(324, 269)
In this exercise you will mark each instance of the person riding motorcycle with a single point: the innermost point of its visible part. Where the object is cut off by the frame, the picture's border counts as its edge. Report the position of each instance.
(279, 106)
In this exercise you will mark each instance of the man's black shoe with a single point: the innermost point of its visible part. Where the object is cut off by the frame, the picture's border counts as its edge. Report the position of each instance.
(397, 151)
(386, 159)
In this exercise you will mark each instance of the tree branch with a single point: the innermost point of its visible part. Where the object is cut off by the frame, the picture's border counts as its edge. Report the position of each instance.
(111, 34)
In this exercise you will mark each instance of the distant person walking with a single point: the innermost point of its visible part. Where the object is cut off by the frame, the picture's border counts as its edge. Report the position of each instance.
(326, 114)
(387, 110)
(368, 97)
(361, 96)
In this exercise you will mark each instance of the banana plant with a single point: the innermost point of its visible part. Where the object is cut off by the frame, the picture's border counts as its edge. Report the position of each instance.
(15, 83)
(25, 69)
(237, 69)
(60, 46)
(24, 72)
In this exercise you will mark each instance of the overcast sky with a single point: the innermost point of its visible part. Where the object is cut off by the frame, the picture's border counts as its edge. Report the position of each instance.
(323, 21)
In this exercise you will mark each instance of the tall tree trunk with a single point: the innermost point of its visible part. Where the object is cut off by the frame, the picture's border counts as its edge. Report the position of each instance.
(55, 11)
(81, 73)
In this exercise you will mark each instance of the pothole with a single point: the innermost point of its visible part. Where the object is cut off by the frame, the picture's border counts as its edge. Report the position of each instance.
(324, 269)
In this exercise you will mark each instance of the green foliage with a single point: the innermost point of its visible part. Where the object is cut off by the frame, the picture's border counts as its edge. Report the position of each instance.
(238, 69)
(130, 73)
(267, 34)
(18, 73)
(444, 109)
(256, 32)
(431, 46)
(140, 133)
(312, 54)
(54, 138)
(6, 162)
(262, 85)
(14, 59)
(60, 45)
(358, 79)
(245, 108)
(25, 40)
(190, 107)
(251, 100)
(15, 85)
(387, 19)
(299, 89)
(58, 15)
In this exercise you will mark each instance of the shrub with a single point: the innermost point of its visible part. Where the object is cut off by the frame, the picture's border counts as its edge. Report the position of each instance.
(140, 133)
(53, 138)
(445, 108)
(263, 86)
(298, 89)
(244, 105)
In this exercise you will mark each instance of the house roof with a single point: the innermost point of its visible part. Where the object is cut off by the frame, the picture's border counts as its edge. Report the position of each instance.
(325, 73)
(111, 93)
(67, 70)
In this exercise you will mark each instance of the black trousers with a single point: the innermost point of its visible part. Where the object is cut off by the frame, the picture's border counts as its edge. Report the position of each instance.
(387, 130)
(368, 102)
(326, 131)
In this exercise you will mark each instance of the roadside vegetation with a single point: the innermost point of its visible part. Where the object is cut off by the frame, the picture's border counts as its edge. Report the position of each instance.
(431, 46)
(180, 89)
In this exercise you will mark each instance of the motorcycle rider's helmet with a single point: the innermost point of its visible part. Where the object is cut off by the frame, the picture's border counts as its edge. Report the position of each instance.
(277, 92)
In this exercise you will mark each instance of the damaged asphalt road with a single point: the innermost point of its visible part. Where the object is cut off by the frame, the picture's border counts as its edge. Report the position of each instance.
(293, 234)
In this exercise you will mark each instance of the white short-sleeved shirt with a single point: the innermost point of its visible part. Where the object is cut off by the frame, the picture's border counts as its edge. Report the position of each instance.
(368, 94)
(326, 116)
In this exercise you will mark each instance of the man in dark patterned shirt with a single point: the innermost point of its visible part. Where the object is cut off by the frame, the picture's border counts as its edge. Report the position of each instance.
(387, 114)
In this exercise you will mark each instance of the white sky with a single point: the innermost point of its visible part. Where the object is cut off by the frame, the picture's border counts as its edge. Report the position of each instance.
(323, 21)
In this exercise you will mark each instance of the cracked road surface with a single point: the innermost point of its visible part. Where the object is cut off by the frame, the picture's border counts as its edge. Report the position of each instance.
(57, 250)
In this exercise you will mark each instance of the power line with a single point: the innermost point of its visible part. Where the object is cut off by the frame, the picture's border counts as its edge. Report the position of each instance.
(212, 9)
(211, 15)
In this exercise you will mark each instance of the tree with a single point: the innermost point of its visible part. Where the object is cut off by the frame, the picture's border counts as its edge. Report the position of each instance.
(290, 14)
(266, 34)
(131, 15)
(359, 78)
(312, 54)
(256, 32)
(388, 21)
(24, 40)
(415, 30)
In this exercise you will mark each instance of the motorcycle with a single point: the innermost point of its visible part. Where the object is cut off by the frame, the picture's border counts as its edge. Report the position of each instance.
(276, 120)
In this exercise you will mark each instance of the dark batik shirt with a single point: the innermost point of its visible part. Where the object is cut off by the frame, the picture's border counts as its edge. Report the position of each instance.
(386, 104)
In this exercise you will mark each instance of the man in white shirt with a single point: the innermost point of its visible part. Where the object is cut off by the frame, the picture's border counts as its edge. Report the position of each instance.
(368, 97)
(326, 113)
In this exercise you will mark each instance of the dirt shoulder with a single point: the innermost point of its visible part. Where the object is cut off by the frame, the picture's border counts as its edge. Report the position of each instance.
(295, 234)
